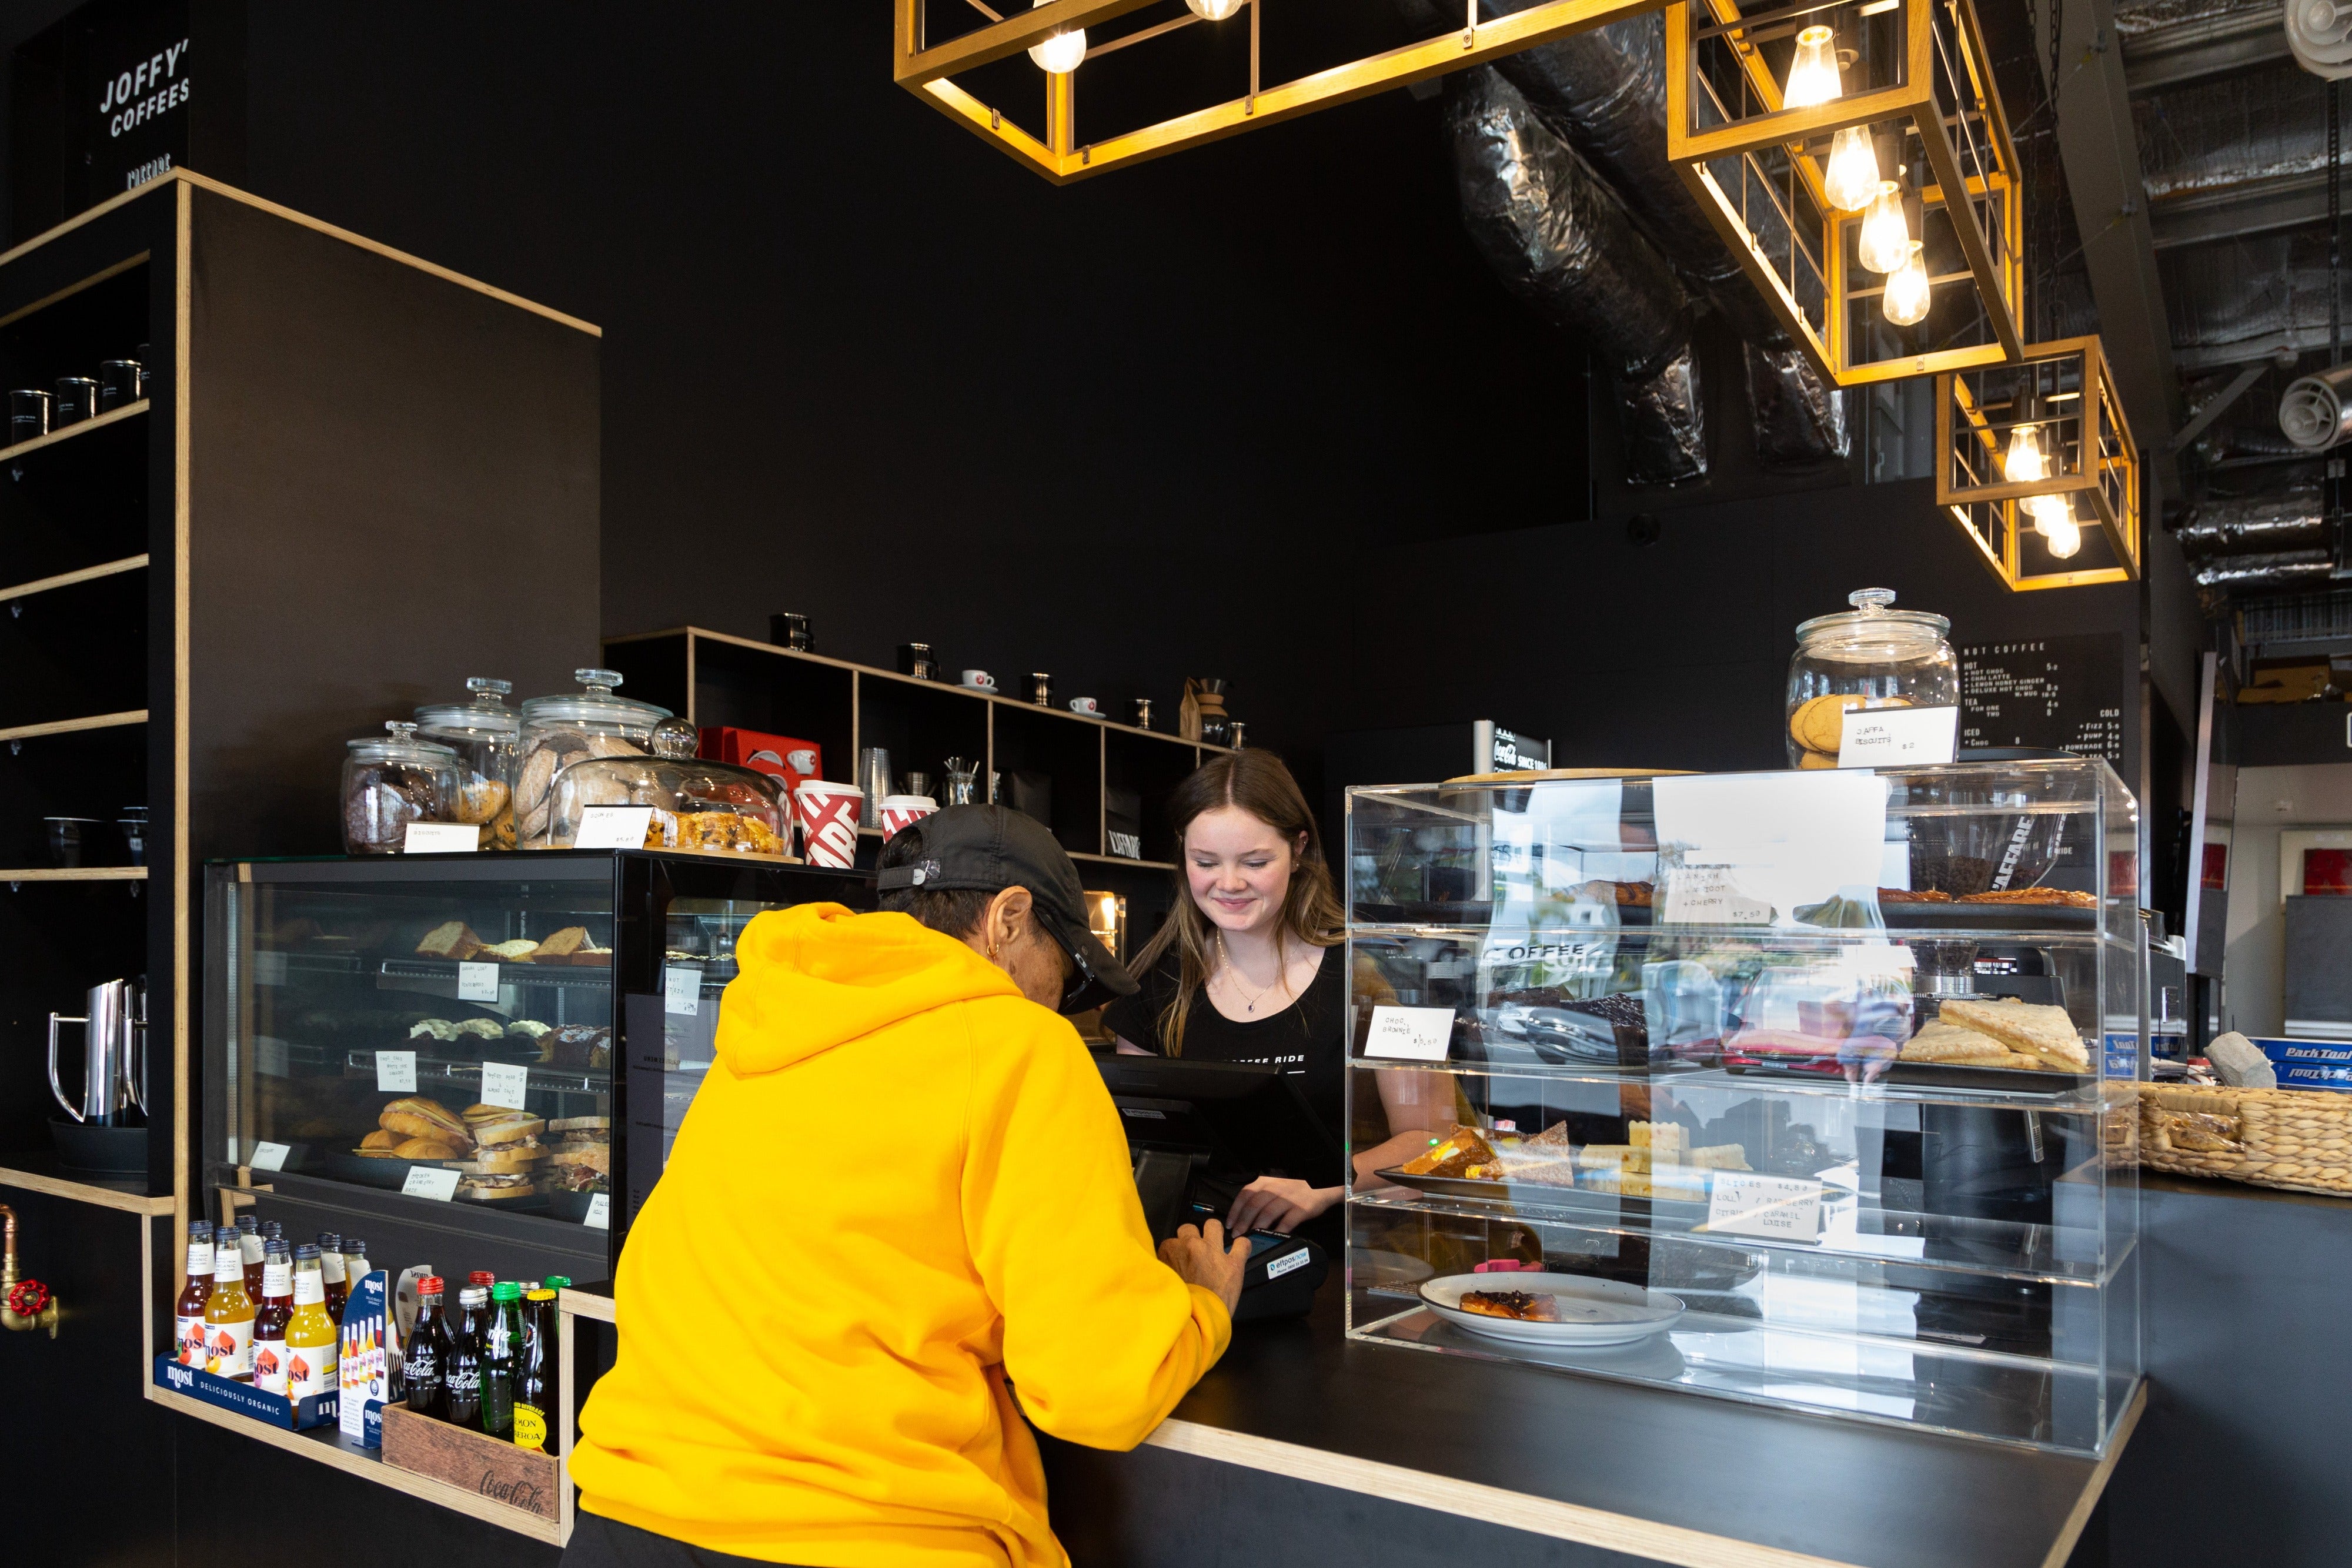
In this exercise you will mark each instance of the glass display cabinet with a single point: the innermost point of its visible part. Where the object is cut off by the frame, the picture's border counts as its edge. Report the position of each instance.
(1809, 1088)
(481, 1058)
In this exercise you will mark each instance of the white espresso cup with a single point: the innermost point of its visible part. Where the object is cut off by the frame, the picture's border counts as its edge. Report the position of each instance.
(977, 681)
(1085, 706)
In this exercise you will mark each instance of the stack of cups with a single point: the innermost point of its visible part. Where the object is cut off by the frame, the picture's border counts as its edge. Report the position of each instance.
(827, 813)
(897, 810)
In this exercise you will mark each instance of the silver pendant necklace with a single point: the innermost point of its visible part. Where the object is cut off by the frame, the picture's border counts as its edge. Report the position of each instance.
(1233, 969)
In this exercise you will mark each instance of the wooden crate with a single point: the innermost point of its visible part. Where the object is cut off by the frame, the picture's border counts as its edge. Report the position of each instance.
(523, 1480)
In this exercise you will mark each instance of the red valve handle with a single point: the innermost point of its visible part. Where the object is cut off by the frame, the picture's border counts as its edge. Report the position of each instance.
(27, 1298)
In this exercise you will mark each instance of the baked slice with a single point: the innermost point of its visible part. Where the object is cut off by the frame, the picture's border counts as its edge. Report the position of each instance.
(1525, 1306)
(562, 944)
(2062, 897)
(456, 939)
(519, 951)
(2031, 1029)
(1940, 1041)
(1466, 1153)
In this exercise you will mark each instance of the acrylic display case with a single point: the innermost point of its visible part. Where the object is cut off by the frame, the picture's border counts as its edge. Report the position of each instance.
(1810, 1089)
(356, 1009)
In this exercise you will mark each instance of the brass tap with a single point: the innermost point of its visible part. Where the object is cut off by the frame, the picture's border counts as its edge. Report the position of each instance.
(25, 1304)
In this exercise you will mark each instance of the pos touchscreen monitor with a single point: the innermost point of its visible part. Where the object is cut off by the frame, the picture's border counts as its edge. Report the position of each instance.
(1199, 1131)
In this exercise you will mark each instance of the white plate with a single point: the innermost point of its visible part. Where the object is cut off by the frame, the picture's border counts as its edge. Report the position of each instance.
(1592, 1312)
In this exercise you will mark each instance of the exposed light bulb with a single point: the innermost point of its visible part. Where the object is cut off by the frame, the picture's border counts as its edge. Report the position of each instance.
(1884, 245)
(2061, 534)
(1212, 10)
(1059, 54)
(1851, 176)
(1813, 74)
(1905, 303)
(2024, 463)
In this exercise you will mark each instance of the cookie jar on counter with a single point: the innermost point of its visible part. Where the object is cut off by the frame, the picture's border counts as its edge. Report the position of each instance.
(558, 731)
(391, 780)
(1872, 657)
(715, 808)
(485, 733)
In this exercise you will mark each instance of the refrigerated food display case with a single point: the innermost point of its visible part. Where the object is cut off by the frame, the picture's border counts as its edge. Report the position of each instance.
(1812, 1089)
(356, 1011)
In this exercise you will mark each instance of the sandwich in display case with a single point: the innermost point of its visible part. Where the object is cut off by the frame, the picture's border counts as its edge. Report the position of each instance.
(1812, 1089)
(480, 1055)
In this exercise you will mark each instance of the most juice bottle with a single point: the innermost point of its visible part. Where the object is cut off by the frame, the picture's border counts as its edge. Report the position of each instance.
(248, 1241)
(310, 1332)
(228, 1311)
(188, 1311)
(269, 1320)
(330, 1271)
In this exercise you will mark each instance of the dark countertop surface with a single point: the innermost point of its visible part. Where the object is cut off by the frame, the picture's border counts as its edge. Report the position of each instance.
(1816, 1489)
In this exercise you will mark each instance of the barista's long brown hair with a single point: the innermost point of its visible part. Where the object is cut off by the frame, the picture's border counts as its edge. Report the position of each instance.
(1258, 783)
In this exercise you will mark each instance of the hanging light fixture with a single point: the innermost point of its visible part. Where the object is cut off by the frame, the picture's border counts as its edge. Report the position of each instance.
(1885, 244)
(1904, 302)
(1060, 54)
(1813, 74)
(1212, 10)
(2066, 465)
(1852, 175)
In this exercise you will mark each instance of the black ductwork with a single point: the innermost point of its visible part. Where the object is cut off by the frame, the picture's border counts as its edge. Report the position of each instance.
(1562, 244)
(1604, 89)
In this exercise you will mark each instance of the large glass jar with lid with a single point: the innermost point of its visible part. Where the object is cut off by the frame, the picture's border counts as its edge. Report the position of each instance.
(391, 780)
(485, 733)
(716, 808)
(558, 731)
(1872, 657)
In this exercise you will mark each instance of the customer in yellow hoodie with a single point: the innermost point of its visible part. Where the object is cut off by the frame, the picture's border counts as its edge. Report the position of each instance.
(899, 1204)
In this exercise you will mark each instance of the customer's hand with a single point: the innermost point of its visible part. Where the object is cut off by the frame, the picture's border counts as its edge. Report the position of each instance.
(1205, 1260)
(1280, 1204)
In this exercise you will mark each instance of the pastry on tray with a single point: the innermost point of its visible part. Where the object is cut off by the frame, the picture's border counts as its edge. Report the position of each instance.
(456, 939)
(2054, 897)
(1524, 1306)
(2030, 1029)
(1948, 1044)
(1465, 1153)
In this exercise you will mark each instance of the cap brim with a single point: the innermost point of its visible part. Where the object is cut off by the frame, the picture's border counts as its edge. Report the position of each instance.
(1108, 979)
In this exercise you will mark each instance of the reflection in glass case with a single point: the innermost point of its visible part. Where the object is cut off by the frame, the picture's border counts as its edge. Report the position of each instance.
(511, 1038)
(1807, 1088)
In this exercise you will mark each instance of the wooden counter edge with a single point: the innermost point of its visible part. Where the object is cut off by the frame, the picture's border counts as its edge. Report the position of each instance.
(328, 1451)
(84, 1192)
(1637, 1537)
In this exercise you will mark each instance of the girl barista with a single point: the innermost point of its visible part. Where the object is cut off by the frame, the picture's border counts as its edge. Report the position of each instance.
(1248, 970)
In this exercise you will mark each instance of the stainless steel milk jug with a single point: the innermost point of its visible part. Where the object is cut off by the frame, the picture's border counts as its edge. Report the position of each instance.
(114, 1057)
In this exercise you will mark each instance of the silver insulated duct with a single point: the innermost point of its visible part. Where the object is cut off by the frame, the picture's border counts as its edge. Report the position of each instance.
(2271, 540)
(1561, 243)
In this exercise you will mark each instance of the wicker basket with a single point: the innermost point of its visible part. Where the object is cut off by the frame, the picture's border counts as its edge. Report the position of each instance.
(2297, 1139)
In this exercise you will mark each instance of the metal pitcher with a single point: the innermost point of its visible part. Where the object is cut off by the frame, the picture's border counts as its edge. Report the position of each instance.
(114, 1056)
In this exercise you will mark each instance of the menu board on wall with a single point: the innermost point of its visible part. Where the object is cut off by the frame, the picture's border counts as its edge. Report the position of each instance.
(2061, 693)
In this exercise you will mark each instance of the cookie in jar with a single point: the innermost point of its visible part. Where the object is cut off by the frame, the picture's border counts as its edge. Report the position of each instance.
(391, 780)
(558, 731)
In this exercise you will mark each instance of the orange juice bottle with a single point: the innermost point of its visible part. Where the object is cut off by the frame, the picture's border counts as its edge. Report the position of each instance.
(228, 1311)
(310, 1332)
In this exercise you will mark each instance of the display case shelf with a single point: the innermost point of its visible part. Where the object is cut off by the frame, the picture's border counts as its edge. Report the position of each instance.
(67, 578)
(120, 720)
(77, 873)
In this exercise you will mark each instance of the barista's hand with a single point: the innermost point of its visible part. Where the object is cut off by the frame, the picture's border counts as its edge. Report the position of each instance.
(1205, 1260)
(1279, 1204)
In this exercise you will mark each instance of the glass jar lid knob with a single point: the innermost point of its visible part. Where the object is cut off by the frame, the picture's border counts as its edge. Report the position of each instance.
(403, 732)
(673, 737)
(1870, 601)
(486, 691)
(601, 681)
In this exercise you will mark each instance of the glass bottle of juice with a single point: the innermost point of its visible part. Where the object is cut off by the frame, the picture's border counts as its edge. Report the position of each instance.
(501, 1358)
(311, 1333)
(269, 1319)
(356, 1265)
(188, 1311)
(248, 1242)
(461, 1384)
(228, 1311)
(330, 1270)
(428, 1353)
(535, 1382)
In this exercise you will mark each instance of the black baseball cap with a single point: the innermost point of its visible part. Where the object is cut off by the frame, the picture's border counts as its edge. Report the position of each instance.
(987, 848)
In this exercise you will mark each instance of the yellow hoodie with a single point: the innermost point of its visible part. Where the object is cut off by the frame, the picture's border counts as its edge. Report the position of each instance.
(901, 1192)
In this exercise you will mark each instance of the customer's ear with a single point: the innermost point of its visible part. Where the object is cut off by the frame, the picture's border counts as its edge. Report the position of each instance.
(1008, 915)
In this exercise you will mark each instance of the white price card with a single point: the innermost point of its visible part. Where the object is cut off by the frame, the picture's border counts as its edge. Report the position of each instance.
(503, 1083)
(268, 968)
(1704, 894)
(1411, 1034)
(395, 1071)
(1898, 737)
(441, 839)
(270, 1156)
(599, 1212)
(682, 989)
(1782, 1209)
(613, 827)
(477, 982)
(430, 1181)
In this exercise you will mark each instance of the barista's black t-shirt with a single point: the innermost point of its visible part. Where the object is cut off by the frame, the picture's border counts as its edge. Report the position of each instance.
(1307, 1038)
